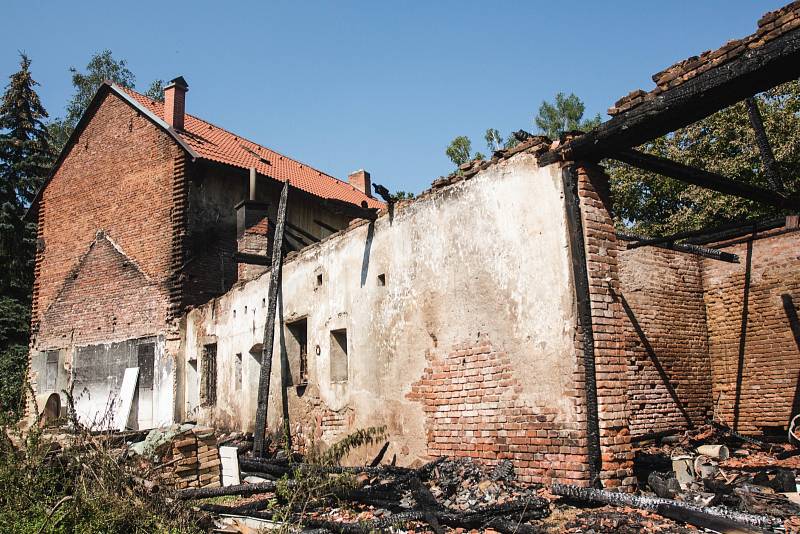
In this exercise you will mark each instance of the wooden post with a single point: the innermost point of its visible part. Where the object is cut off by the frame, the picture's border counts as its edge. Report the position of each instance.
(269, 329)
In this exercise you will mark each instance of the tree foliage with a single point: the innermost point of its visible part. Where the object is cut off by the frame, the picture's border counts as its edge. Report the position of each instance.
(25, 158)
(722, 143)
(156, 90)
(494, 141)
(101, 67)
(563, 115)
(460, 149)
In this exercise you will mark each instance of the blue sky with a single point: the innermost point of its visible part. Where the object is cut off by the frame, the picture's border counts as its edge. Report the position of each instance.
(377, 85)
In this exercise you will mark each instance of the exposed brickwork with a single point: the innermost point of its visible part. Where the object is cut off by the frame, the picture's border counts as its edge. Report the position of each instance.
(117, 178)
(105, 298)
(607, 324)
(770, 375)
(666, 341)
(253, 236)
(474, 407)
(179, 223)
(193, 460)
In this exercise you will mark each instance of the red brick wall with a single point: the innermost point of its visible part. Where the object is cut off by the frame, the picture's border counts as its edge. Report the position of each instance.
(105, 298)
(770, 367)
(473, 407)
(607, 325)
(669, 372)
(118, 178)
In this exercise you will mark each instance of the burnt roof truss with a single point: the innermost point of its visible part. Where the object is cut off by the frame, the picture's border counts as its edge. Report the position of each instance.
(703, 178)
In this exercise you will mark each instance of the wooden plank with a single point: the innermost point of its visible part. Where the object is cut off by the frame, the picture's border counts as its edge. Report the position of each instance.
(269, 330)
(756, 70)
(126, 392)
(702, 178)
(229, 456)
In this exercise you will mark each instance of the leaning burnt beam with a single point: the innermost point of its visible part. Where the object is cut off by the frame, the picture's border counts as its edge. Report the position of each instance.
(702, 178)
(636, 241)
(756, 70)
(350, 210)
(764, 148)
(259, 432)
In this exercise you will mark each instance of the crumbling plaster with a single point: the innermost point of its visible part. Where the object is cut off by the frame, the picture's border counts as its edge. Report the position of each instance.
(483, 258)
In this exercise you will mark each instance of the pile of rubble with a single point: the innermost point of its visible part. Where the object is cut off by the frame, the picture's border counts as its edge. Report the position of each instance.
(711, 478)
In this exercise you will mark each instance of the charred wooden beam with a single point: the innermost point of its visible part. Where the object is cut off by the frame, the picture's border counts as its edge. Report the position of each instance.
(636, 241)
(350, 210)
(718, 233)
(310, 237)
(720, 519)
(250, 259)
(702, 178)
(756, 70)
(745, 228)
(269, 330)
(238, 489)
(764, 148)
(326, 226)
(580, 275)
(296, 238)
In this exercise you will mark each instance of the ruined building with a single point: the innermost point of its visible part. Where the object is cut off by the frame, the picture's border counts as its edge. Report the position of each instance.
(498, 315)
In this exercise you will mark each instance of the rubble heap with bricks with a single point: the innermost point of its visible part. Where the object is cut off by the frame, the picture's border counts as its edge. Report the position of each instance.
(193, 460)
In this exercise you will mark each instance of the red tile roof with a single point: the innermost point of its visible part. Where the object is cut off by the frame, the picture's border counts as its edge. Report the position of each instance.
(214, 143)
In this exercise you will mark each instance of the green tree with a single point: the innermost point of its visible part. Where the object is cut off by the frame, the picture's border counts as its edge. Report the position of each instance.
(25, 158)
(563, 115)
(156, 90)
(494, 141)
(101, 67)
(402, 195)
(722, 143)
(459, 150)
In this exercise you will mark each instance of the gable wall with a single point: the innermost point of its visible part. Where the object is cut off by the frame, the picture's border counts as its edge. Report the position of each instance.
(117, 179)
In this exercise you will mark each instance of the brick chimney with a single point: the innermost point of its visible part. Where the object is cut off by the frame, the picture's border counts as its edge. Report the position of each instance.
(252, 236)
(252, 231)
(175, 102)
(360, 180)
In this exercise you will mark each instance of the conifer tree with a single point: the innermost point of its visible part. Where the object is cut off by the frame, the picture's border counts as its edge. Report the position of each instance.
(25, 159)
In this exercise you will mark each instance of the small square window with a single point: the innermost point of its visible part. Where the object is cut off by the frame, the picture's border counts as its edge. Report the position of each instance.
(339, 364)
(382, 279)
(297, 351)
